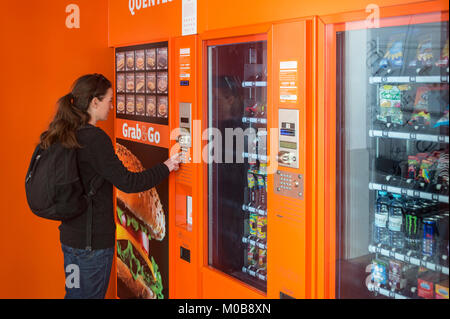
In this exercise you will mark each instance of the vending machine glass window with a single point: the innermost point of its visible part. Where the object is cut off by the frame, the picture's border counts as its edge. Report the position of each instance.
(237, 122)
(392, 159)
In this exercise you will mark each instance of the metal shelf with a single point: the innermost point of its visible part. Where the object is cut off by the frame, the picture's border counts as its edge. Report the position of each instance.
(409, 79)
(254, 84)
(409, 192)
(410, 260)
(409, 136)
(251, 240)
(385, 292)
(251, 209)
(253, 273)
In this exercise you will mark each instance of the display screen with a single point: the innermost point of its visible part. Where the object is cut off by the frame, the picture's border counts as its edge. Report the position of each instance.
(290, 145)
(184, 120)
(286, 132)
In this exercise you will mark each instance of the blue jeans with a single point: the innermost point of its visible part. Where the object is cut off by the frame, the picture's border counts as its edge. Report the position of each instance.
(87, 272)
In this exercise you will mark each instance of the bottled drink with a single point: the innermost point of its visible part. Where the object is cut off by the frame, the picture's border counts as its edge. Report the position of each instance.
(395, 222)
(380, 232)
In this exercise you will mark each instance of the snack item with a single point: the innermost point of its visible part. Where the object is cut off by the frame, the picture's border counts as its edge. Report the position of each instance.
(443, 61)
(140, 105)
(424, 54)
(393, 59)
(120, 104)
(443, 121)
(130, 104)
(120, 61)
(252, 222)
(162, 58)
(130, 82)
(251, 254)
(140, 60)
(261, 227)
(151, 59)
(427, 105)
(162, 83)
(151, 106)
(129, 60)
(162, 106)
(441, 290)
(262, 259)
(380, 271)
(143, 211)
(151, 82)
(138, 276)
(390, 104)
(140, 82)
(120, 83)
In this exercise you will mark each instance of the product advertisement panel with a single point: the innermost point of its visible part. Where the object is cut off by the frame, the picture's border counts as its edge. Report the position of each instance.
(142, 142)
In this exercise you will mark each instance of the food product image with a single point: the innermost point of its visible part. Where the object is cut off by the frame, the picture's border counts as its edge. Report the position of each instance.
(140, 59)
(162, 58)
(120, 61)
(120, 104)
(151, 59)
(151, 82)
(130, 104)
(120, 83)
(140, 82)
(162, 106)
(138, 276)
(140, 105)
(130, 82)
(143, 211)
(162, 82)
(129, 60)
(151, 106)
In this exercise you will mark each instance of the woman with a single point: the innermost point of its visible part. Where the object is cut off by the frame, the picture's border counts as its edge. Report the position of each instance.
(89, 101)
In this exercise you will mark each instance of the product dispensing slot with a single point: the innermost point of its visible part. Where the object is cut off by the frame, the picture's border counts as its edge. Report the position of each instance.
(184, 139)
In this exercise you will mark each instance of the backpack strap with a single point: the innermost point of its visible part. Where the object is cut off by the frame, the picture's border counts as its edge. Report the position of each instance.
(94, 185)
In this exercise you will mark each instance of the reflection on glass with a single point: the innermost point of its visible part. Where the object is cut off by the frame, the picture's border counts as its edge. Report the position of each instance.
(237, 92)
(393, 160)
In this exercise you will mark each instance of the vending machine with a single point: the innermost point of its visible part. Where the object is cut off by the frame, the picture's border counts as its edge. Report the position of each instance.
(388, 98)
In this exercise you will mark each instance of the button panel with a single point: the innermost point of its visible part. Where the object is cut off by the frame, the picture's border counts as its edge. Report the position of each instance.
(288, 184)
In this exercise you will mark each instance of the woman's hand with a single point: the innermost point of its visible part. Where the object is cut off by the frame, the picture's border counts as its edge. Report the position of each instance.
(173, 163)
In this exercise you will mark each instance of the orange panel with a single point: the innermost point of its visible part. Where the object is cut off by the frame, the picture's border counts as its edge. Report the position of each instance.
(184, 276)
(44, 59)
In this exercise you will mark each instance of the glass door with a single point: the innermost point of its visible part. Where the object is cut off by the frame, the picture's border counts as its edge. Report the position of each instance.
(392, 160)
(237, 122)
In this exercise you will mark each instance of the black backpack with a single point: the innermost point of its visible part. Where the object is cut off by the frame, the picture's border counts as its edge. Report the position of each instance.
(54, 189)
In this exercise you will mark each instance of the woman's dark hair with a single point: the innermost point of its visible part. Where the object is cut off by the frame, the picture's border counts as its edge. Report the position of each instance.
(72, 112)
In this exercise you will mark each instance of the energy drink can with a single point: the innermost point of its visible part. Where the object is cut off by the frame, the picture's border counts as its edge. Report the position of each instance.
(429, 236)
(262, 227)
(253, 221)
(412, 226)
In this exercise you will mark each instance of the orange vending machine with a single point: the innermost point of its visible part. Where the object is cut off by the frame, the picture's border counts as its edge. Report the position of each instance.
(290, 117)
(386, 103)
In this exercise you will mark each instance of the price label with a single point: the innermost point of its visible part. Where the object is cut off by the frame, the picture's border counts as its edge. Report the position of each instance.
(412, 79)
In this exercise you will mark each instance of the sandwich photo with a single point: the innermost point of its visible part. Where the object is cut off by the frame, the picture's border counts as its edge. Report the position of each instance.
(141, 214)
(137, 276)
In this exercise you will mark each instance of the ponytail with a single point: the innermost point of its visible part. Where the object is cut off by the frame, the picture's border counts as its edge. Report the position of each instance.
(72, 112)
